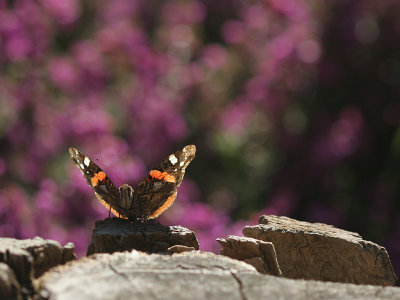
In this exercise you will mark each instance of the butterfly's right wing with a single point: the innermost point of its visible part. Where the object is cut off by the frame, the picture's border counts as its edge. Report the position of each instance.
(105, 190)
(158, 190)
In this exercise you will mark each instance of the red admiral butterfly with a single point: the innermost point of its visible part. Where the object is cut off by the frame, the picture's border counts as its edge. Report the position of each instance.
(150, 198)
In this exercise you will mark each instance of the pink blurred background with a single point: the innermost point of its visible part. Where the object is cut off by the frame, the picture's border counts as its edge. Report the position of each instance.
(293, 106)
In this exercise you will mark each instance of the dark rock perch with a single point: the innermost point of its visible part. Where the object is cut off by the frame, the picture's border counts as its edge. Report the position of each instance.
(257, 253)
(112, 235)
(28, 259)
(190, 275)
(322, 252)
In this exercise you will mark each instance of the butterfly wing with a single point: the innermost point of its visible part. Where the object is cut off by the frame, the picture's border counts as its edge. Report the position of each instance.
(158, 190)
(105, 190)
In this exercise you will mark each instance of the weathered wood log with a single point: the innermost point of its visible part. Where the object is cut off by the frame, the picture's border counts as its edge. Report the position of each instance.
(30, 258)
(9, 285)
(111, 235)
(190, 275)
(257, 253)
(322, 252)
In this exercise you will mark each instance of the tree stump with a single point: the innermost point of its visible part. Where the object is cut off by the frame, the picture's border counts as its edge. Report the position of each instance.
(112, 235)
(322, 252)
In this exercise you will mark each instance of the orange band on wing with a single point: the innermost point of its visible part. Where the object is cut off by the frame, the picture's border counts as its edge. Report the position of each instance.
(162, 176)
(165, 206)
(100, 176)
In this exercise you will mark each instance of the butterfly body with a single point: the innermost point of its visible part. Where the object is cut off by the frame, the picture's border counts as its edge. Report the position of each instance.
(150, 197)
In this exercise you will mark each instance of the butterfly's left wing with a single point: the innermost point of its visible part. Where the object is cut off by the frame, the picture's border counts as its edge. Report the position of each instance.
(158, 190)
(105, 190)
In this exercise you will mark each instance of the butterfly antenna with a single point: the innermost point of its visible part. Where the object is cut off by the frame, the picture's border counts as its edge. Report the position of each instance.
(109, 213)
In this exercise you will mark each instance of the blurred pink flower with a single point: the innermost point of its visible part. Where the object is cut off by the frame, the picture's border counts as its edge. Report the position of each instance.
(184, 12)
(214, 56)
(64, 73)
(65, 12)
(234, 32)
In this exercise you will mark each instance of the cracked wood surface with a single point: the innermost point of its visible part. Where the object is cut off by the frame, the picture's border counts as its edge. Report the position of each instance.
(137, 275)
(189, 275)
(112, 235)
(322, 252)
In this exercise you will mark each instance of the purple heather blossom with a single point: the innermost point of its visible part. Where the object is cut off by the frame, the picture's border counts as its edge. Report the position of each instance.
(234, 32)
(292, 107)
(184, 12)
(65, 12)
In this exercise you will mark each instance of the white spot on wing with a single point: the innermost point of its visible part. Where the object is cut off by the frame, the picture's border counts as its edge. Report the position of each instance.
(81, 166)
(86, 161)
(181, 163)
(172, 158)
